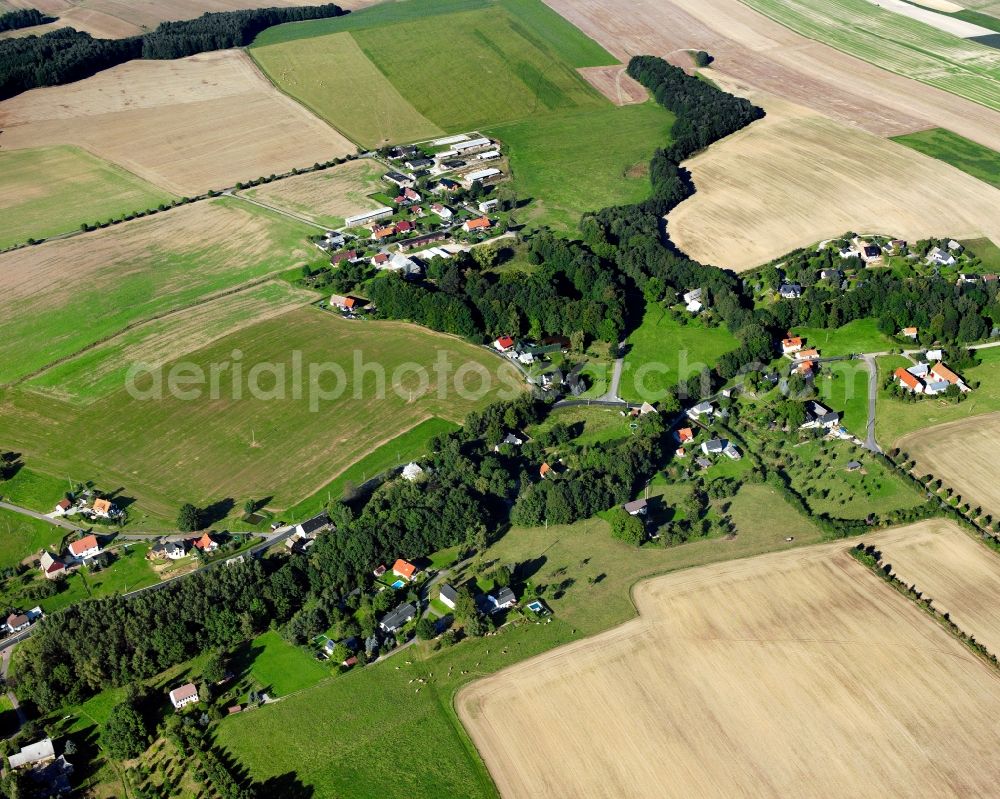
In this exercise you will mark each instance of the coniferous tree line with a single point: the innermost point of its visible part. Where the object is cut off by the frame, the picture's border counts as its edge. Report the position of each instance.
(23, 18)
(67, 55)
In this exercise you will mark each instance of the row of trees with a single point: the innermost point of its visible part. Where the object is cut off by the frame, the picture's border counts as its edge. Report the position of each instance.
(66, 55)
(23, 18)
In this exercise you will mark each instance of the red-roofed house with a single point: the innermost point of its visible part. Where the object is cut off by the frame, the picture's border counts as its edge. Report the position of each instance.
(84, 548)
(344, 303)
(403, 568)
(206, 543)
(944, 373)
(384, 232)
(807, 355)
(52, 568)
(482, 223)
(684, 435)
(906, 380)
(63, 505)
(544, 470)
(379, 259)
(348, 255)
(792, 344)
(504, 343)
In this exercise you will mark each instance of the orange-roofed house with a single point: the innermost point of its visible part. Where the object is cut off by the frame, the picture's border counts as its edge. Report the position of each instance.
(102, 507)
(403, 568)
(807, 355)
(504, 343)
(804, 368)
(84, 548)
(909, 332)
(481, 223)
(383, 232)
(790, 345)
(942, 372)
(206, 543)
(680, 452)
(344, 303)
(908, 381)
(544, 470)
(684, 435)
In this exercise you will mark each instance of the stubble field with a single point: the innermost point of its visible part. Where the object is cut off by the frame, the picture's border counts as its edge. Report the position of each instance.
(187, 126)
(115, 19)
(751, 48)
(796, 177)
(958, 573)
(783, 672)
(328, 196)
(962, 454)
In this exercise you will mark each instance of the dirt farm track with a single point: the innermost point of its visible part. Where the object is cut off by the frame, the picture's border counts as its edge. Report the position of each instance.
(773, 676)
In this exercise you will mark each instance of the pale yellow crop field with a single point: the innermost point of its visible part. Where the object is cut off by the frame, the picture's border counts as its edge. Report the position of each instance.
(198, 123)
(963, 455)
(797, 673)
(959, 574)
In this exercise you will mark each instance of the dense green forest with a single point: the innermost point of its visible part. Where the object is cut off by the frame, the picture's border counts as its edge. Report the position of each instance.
(67, 55)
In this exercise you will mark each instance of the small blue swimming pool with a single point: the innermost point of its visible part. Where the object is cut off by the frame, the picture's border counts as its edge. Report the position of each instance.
(398, 584)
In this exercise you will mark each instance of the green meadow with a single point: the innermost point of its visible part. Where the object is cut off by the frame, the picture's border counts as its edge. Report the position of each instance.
(21, 536)
(465, 65)
(276, 445)
(975, 159)
(663, 351)
(46, 191)
(583, 160)
(115, 278)
(895, 43)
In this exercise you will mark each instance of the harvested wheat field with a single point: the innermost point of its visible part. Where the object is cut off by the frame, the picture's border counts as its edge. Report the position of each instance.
(198, 123)
(115, 19)
(796, 177)
(963, 455)
(958, 573)
(798, 673)
(757, 51)
(615, 84)
(326, 197)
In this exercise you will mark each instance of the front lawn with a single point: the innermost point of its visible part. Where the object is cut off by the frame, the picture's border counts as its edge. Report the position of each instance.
(861, 335)
(278, 666)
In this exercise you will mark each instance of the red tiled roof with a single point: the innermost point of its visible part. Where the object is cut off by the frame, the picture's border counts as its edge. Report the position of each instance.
(544, 470)
(81, 546)
(945, 373)
(205, 542)
(506, 342)
(685, 434)
(403, 568)
(907, 379)
(482, 222)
